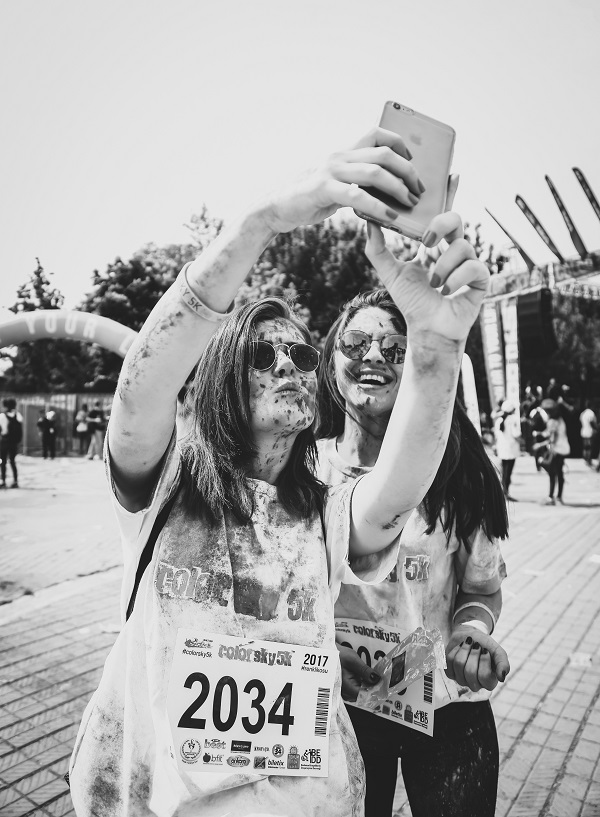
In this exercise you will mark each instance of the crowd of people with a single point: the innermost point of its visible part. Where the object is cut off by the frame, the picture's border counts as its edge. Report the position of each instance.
(547, 425)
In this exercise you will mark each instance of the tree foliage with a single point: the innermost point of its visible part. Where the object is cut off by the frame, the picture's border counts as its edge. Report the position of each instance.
(321, 266)
(43, 365)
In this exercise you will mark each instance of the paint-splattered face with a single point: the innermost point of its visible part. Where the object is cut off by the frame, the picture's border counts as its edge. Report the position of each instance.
(369, 385)
(282, 398)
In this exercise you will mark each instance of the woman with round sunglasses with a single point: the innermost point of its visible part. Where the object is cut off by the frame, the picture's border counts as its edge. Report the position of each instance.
(447, 575)
(245, 551)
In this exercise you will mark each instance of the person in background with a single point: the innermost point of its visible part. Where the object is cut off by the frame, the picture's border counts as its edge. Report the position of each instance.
(81, 429)
(11, 434)
(508, 448)
(589, 424)
(47, 425)
(96, 428)
(558, 449)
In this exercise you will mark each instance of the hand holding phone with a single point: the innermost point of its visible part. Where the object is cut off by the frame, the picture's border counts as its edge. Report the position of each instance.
(431, 144)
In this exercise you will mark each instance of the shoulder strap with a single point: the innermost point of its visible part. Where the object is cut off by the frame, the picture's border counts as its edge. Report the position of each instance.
(148, 551)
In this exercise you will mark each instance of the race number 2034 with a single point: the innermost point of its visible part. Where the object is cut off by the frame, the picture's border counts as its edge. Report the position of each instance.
(239, 704)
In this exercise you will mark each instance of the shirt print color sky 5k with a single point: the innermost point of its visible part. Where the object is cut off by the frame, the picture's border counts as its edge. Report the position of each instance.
(262, 707)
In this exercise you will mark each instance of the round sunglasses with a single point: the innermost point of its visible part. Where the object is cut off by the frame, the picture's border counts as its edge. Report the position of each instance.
(263, 355)
(355, 344)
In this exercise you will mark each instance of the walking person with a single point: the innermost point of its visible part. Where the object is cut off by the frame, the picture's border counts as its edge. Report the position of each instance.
(589, 425)
(558, 449)
(254, 547)
(453, 539)
(96, 427)
(81, 429)
(11, 434)
(508, 448)
(47, 426)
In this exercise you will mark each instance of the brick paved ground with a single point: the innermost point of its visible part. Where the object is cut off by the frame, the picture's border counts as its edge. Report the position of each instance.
(57, 537)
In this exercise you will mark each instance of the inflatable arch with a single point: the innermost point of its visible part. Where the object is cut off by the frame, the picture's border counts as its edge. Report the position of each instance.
(59, 323)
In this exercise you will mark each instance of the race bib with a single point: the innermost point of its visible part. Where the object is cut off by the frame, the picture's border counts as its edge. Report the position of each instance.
(413, 707)
(255, 706)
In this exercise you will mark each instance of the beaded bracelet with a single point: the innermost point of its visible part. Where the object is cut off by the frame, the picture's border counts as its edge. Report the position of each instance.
(194, 303)
(477, 604)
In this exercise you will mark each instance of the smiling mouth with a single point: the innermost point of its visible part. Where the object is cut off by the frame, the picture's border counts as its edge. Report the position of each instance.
(371, 379)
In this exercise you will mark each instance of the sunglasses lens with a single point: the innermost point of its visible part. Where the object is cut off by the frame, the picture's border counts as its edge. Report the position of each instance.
(304, 357)
(393, 348)
(262, 355)
(354, 344)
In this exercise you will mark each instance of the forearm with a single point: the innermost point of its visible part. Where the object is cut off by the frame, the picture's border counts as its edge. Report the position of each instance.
(172, 340)
(415, 439)
(485, 608)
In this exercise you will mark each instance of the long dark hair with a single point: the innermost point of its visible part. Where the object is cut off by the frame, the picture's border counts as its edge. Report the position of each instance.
(466, 493)
(218, 449)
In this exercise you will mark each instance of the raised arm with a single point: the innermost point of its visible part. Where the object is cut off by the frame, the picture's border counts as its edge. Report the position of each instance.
(438, 324)
(175, 335)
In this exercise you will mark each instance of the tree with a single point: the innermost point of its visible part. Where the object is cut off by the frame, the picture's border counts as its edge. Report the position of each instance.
(43, 365)
(128, 290)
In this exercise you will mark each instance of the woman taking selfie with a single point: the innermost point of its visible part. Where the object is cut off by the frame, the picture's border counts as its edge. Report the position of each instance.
(245, 550)
(452, 538)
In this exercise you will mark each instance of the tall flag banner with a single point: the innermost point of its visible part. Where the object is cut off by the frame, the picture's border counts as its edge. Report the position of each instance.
(518, 248)
(539, 229)
(510, 328)
(587, 190)
(493, 352)
(575, 237)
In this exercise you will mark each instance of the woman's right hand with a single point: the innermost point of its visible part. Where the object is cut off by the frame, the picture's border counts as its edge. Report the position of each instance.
(380, 159)
(355, 673)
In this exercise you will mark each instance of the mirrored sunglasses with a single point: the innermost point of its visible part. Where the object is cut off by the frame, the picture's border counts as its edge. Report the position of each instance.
(263, 355)
(355, 344)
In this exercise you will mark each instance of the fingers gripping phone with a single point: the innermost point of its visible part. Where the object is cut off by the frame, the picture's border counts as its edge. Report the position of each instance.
(432, 146)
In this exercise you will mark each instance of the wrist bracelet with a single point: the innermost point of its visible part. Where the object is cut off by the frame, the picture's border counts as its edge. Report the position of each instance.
(194, 303)
(477, 624)
(483, 607)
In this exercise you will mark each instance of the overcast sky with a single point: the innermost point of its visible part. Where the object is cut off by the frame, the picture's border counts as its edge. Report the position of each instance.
(122, 118)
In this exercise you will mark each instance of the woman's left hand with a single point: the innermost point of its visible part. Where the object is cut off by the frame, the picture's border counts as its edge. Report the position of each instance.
(450, 312)
(475, 660)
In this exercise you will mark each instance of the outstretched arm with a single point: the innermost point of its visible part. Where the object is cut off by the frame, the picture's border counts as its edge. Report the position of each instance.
(438, 324)
(174, 336)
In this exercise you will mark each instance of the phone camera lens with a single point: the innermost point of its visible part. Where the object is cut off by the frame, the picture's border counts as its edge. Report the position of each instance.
(397, 106)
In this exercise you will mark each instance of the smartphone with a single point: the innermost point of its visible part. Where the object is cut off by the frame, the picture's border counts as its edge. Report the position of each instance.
(432, 146)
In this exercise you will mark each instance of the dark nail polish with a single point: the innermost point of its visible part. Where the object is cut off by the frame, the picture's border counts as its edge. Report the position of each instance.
(483, 651)
(445, 290)
(434, 281)
(391, 214)
(476, 645)
(468, 640)
(503, 675)
(422, 187)
(374, 678)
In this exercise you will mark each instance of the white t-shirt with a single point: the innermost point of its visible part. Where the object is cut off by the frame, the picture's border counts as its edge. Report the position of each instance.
(273, 579)
(587, 418)
(421, 589)
(557, 434)
(507, 442)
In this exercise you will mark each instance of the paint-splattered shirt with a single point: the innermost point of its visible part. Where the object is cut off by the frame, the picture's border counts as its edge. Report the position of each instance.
(272, 579)
(421, 589)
